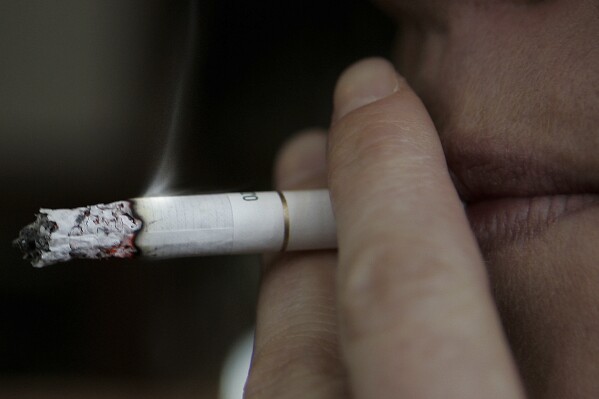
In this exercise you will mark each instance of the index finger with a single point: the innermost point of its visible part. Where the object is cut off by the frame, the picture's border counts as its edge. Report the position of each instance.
(417, 317)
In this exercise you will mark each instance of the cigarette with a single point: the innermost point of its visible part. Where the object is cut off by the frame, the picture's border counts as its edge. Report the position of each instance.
(182, 226)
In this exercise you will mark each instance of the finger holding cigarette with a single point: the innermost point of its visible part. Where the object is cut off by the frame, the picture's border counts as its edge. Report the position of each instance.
(416, 316)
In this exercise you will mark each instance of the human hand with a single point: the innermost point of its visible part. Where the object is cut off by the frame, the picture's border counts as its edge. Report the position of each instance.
(403, 309)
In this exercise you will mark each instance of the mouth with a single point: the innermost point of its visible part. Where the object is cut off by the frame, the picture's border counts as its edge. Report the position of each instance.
(503, 221)
(516, 186)
(510, 197)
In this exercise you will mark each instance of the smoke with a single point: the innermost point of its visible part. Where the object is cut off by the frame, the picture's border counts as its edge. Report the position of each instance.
(165, 172)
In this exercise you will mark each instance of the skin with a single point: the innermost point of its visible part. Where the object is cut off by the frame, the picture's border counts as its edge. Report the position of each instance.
(497, 108)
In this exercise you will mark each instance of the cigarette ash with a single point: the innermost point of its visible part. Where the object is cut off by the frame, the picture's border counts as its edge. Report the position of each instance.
(94, 232)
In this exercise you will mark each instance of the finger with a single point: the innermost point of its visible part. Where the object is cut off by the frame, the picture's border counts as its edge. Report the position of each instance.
(295, 349)
(416, 315)
(301, 163)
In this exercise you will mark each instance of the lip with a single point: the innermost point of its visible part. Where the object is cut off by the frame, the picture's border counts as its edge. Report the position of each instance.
(504, 221)
(514, 190)
(484, 169)
(513, 194)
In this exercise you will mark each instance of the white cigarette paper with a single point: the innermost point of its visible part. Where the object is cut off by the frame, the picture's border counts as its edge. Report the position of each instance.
(194, 225)
(235, 223)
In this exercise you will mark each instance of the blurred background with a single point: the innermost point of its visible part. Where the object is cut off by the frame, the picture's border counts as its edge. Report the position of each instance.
(90, 92)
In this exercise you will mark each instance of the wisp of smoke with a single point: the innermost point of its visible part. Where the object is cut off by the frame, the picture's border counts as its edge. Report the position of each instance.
(165, 172)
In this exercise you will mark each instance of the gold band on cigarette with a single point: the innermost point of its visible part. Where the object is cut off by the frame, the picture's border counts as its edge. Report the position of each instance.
(286, 221)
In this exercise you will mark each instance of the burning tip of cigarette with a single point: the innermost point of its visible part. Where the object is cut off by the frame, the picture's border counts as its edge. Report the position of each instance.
(34, 238)
(93, 232)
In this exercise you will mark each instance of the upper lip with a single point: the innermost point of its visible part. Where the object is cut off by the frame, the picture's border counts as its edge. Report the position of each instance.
(483, 170)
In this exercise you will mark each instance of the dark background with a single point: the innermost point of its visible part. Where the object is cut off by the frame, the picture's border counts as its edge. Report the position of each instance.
(86, 94)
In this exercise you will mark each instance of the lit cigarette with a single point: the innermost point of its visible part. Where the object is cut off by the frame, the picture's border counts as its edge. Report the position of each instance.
(194, 225)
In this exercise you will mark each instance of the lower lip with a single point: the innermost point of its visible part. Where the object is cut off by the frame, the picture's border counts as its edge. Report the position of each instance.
(503, 221)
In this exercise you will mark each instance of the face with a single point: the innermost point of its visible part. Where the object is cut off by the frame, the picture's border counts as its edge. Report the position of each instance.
(513, 88)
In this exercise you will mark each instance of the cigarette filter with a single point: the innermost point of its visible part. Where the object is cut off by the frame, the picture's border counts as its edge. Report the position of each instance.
(194, 225)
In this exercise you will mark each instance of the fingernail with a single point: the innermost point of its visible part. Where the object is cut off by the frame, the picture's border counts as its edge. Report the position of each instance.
(363, 83)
